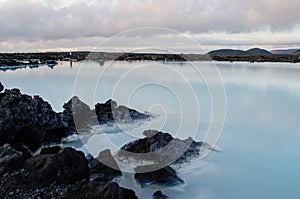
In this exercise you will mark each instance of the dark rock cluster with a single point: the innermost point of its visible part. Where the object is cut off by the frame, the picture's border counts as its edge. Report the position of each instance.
(78, 115)
(162, 148)
(110, 112)
(154, 174)
(159, 195)
(27, 121)
(64, 174)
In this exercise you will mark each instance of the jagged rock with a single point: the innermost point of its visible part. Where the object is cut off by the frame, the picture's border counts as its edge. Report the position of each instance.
(162, 148)
(95, 189)
(1, 87)
(154, 174)
(77, 114)
(110, 112)
(26, 120)
(105, 167)
(66, 167)
(159, 195)
(10, 159)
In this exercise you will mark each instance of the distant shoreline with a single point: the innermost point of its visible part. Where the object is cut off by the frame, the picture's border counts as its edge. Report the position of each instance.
(51, 58)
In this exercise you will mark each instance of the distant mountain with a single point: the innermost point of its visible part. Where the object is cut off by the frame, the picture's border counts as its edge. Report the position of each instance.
(284, 52)
(253, 51)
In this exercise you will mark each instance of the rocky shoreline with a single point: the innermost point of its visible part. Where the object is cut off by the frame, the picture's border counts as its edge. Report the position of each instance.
(30, 169)
(13, 61)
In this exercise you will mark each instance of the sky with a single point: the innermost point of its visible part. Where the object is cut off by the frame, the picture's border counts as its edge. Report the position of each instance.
(140, 25)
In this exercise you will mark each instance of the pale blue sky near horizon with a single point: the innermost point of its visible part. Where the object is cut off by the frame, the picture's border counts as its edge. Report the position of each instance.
(178, 25)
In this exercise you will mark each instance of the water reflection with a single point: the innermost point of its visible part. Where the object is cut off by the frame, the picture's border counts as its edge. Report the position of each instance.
(260, 138)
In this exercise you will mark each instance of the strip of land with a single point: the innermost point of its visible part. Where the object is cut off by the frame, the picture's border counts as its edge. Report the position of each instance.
(51, 58)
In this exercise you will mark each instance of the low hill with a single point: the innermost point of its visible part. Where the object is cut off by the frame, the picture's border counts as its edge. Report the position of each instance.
(226, 52)
(284, 52)
(297, 53)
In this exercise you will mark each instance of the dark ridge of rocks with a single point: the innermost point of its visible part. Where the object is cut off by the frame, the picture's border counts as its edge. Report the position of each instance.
(257, 58)
(162, 148)
(105, 167)
(150, 56)
(28, 120)
(96, 189)
(79, 116)
(154, 174)
(159, 195)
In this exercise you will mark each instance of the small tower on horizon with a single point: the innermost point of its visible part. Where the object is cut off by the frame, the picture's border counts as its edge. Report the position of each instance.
(70, 59)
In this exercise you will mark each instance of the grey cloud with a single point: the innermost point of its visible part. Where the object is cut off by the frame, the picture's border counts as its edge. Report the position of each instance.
(46, 20)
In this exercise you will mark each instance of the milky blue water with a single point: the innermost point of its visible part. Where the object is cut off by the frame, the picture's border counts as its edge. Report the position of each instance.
(250, 111)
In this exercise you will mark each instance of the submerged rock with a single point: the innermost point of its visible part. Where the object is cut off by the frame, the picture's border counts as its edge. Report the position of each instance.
(154, 174)
(162, 148)
(159, 195)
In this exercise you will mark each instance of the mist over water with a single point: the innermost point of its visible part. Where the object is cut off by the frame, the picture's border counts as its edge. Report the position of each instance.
(260, 140)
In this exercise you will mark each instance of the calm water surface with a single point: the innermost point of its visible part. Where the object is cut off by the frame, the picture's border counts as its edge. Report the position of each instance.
(260, 105)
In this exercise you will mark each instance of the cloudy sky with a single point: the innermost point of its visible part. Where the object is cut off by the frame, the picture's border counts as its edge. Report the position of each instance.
(170, 25)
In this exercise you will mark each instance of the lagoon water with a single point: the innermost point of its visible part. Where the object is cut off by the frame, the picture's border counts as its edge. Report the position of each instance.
(250, 111)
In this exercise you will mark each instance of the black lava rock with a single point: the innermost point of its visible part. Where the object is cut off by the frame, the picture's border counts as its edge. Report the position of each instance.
(162, 148)
(1, 87)
(159, 195)
(154, 174)
(66, 167)
(10, 159)
(26, 120)
(105, 167)
(110, 112)
(77, 114)
(96, 189)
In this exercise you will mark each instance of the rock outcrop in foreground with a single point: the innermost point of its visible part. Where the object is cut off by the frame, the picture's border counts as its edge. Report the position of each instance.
(27, 123)
(65, 174)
